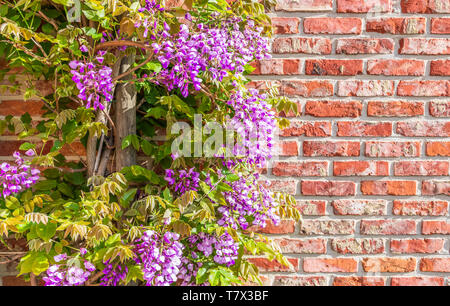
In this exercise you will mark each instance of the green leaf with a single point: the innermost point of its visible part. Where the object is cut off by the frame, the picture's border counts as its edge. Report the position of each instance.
(232, 177)
(46, 231)
(147, 148)
(27, 146)
(45, 185)
(131, 139)
(65, 189)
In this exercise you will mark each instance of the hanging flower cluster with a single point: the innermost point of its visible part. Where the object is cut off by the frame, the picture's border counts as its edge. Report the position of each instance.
(93, 81)
(113, 275)
(183, 180)
(16, 178)
(248, 204)
(62, 275)
(218, 51)
(188, 272)
(150, 21)
(223, 249)
(160, 257)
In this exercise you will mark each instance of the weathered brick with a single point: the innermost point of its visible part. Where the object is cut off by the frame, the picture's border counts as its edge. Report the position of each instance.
(285, 25)
(425, 246)
(435, 265)
(436, 187)
(429, 88)
(360, 128)
(439, 108)
(424, 128)
(358, 281)
(285, 227)
(333, 108)
(358, 246)
(304, 6)
(417, 281)
(392, 149)
(365, 46)
(18, 108)
(395, 108)
(307, 88)
(266, 265)
(389, 264)
(306, 45)
(311, 208)
(435, 227)
(328, 265)
(438, 148)
(427, 168)
(278, 66)
(328, 148)
(302, 246)
(284, 280)
(396, 67)
(400, 25)
(425, 46)
(360, 168)
(420, 208)
(359, 207)
(306, 168)
(289, 187)
(328, 25)
(388, 227)
(358, 6)
(328, 188)
(428, 6)
(365, 88)
(440, 25)
(327, 227)
(333, 67)
(388, 187)
(309, 129)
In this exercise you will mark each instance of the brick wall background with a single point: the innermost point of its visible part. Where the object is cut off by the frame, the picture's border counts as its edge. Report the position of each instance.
(368, 158)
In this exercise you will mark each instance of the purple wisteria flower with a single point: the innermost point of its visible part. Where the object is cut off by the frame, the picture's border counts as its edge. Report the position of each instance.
(16, 178)
(183, 180)
(61, 275)
(223, 248)
(113, 275)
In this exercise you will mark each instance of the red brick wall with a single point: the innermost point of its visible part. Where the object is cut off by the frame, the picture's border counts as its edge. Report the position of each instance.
(368, 158)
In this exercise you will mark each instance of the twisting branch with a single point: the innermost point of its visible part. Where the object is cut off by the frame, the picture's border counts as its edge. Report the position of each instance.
(133, 69)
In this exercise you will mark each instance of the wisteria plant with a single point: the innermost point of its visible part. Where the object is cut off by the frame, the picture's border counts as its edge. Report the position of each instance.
(117, 77)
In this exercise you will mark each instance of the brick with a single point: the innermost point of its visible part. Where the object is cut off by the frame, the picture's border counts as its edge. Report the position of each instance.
(333, 108)
(285, 25)
(308, 129)
(438, 148)
(425, 46)
(18, 108)
(306, 168)
(436, 187)
(358, 6)
(365, 46)
(283, 280)
(333, 67)
(392, 149)
(287, 148)
(359, 207)
(440, 67)
(428, 168)
(358, 246)
(368, 129)
(285, 227)
(435, 227)
(327, 227)
(435, 265)
(440, 25)
(387, 264)
(439, 108)
(428, 6)
(328, 148)
(14, 281)
(307, 88)
(420, 208)
(388, 227)
(396, 67)
(365, 88)
(400, 188)
(289, 187)
(358, 281)
(302, 45)
(434, 88)
(311, 208)
(277, 66)
(266, 265)
(328, 188)
(328, 265)
(408, 25)
(417, 281)
(424, 128)
(423, 246)
(360, 168)
(263, 85)
(304, 6)
(395, 108)
(302, 246)
(327, 25)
